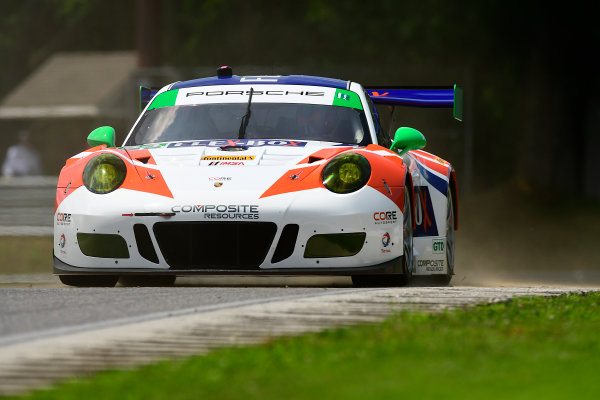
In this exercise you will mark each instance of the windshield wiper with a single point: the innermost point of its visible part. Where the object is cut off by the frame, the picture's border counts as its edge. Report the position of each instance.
(246, 117)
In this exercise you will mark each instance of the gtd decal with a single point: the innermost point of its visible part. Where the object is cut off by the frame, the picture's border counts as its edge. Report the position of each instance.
(385, 217)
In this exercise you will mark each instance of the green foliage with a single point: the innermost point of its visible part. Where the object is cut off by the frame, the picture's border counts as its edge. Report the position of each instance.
(34, 30)
(525, 66)
(527, 348)
(26, 254)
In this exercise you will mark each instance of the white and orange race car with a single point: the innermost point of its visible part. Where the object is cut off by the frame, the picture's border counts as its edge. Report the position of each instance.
(266, 175)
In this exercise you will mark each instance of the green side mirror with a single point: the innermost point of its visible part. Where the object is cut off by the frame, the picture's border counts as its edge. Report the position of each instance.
(103, 135)
(407, 139)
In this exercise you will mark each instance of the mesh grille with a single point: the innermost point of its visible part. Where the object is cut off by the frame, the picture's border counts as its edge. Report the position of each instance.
(214, 245)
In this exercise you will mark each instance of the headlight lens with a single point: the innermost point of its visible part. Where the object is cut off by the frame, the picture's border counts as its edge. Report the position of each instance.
(346, 173)
(104, 173)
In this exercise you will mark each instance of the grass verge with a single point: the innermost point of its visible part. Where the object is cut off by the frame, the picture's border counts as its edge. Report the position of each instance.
(26, 254)
(527, 348)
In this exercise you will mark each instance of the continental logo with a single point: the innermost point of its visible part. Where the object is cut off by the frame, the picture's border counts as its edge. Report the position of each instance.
(228, 158)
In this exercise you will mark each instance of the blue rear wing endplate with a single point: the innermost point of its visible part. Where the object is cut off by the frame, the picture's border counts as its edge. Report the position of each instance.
(146, 96)
(420, 96)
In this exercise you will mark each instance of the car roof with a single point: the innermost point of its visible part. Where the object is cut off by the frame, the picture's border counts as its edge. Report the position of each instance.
(276, 80)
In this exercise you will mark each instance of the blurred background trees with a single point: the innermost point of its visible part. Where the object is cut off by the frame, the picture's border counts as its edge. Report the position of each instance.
(528, 66)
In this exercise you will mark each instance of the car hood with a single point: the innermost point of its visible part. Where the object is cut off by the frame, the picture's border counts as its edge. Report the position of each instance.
(248, 167)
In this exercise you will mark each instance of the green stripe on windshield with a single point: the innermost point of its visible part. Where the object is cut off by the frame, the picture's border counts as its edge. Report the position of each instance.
(346, 98)
(165, 99)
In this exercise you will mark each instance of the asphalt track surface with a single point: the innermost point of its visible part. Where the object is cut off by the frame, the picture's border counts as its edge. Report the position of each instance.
(50, 332)
(29, 312)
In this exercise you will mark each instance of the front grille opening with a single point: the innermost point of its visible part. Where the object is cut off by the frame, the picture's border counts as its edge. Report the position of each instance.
(334, 245)
(102, 245)
(214, 245)
(287, 243)
(144, 243)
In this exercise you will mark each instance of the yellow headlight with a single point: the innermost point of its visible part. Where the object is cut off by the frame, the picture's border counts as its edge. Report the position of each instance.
(104, 173)
(346, 173)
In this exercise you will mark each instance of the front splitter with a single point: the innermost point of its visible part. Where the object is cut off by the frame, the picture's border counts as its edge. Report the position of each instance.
(389, 267)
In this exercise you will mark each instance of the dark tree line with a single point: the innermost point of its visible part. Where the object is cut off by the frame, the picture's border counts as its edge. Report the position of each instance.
(531, 64)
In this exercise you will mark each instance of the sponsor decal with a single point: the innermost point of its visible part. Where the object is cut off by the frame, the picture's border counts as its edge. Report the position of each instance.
(431, 265)
(219, 178)
(239, 142)
(63, 219)
(220, 211)
(439, 246)
(424, 215)
(385, 239)
(377, 94)
(218, 184)
(227, 158)
(346, 98)
(385, 217)
(343, 96)
(212, 93)
(213, 163)
(61, 243)
(385, 242)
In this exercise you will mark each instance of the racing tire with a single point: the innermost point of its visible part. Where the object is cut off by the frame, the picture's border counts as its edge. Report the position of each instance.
(407, 242)
(148, 281)
(407, 260)
(89, 280)
(450, 223)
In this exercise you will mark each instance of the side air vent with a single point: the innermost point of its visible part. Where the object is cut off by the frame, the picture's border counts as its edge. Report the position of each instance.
(287, 243)
(144, 243)
(143, 160)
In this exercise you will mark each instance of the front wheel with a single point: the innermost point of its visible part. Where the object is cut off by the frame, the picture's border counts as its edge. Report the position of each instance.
(89, 280)
(407, 242)
(450, 238)
(450, 222)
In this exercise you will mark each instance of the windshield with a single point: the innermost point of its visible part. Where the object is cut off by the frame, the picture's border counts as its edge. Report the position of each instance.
(267, 121)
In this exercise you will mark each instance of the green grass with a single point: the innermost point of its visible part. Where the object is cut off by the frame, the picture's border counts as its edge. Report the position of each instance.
(533, 348)
(26, 254)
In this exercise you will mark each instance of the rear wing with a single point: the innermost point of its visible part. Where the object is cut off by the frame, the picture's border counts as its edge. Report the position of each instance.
(420, 96)
(146, 96)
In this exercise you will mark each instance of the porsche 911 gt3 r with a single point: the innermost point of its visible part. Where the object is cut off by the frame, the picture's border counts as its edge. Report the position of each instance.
(259, 175)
